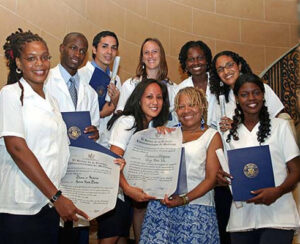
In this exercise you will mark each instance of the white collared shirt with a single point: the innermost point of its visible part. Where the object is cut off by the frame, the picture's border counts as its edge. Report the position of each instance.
(40, 123)
(283, 212)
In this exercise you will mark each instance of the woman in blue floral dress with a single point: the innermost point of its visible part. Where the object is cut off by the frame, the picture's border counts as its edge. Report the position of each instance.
(189, 218)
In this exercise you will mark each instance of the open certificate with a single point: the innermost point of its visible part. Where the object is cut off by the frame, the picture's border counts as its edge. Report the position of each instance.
(92, 178)
(153, 161)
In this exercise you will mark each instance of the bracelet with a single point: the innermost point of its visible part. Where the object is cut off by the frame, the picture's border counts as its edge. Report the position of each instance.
(185, 199)
(56, 196)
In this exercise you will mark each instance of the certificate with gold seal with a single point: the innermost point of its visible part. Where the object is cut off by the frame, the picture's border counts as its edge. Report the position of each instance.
(92, 178)
(251, 168)
(153, 162)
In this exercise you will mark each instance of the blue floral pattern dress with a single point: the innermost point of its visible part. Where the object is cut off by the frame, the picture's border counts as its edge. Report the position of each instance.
(194, 223)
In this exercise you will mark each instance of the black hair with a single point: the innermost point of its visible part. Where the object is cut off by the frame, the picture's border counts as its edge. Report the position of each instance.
(264, 118)
(217, 86)
(71, 34)
(101, 34)
(184, 50)
(13, 48)
(133, 107)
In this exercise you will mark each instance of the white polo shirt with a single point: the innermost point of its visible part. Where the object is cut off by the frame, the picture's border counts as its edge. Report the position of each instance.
(40, 123)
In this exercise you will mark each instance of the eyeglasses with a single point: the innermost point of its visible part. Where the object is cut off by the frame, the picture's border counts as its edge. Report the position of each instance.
(228, 65)
(34, 59)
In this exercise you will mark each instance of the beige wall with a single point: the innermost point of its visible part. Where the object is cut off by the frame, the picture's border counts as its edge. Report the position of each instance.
(260, 30)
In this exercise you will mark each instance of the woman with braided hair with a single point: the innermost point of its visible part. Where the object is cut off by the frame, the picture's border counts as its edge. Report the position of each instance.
(33, 147)
(225, 69)
(270, 216)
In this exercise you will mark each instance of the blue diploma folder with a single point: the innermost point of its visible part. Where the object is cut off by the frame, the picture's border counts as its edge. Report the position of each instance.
(251, 168)
(182, 178)
(76, 122)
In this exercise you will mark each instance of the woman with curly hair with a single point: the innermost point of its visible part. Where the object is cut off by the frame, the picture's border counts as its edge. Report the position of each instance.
(270, 216)
(189, 218)
(195, 60)
(34, 148)
(227, 66)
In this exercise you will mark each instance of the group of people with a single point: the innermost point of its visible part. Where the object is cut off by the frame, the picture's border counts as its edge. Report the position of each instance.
(34, 145)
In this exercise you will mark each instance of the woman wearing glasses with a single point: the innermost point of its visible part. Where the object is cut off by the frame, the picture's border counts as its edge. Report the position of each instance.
(33, 147)
(226, 68)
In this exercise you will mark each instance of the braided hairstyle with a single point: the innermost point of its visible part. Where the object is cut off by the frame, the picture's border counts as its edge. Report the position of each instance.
(184, 50)
(13, 48)
(217, 86)
(196, 96)
(264, 118)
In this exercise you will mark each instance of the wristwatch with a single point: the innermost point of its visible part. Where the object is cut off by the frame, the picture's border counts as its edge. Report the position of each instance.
(56, 196)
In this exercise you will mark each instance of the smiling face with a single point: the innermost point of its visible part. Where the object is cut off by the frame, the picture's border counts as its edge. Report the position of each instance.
(189, 114)
(151, 55)
(250, 97)
(196, 63)
(152, 101)
(105, 52)
(34, 63)
(73, 53)
(228, 70)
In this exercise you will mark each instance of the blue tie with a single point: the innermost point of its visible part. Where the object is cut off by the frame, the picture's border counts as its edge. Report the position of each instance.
(73, 91)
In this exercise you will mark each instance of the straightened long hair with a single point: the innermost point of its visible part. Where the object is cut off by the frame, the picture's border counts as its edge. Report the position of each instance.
(133, 107)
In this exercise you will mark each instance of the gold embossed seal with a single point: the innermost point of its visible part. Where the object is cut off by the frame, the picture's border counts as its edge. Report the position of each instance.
(251, 170)
(74, 132)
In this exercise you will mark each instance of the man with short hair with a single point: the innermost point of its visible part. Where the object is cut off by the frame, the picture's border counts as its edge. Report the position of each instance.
(97, 74)
(72, 94)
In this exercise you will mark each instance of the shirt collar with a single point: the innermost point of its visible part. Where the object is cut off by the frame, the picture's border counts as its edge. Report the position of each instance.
(107, 71)
(66, 76)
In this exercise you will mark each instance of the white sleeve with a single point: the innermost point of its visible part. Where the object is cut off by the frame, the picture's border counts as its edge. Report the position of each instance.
(290, 148)
(94, 109)
(125, 92)
(11, 116)
(119, 83)
(121, 132)
(272, 102)
(172, 91)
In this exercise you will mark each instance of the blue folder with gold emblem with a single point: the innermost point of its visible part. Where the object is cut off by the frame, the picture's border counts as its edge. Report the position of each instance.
(99, 81)
(251, 168)
(76, 122)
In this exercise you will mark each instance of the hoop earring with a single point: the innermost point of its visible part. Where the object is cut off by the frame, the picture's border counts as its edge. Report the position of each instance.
(221, 84)
(18, 71)
(202, 127)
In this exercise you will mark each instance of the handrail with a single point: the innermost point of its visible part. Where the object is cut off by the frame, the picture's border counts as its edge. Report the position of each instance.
(283, 77)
